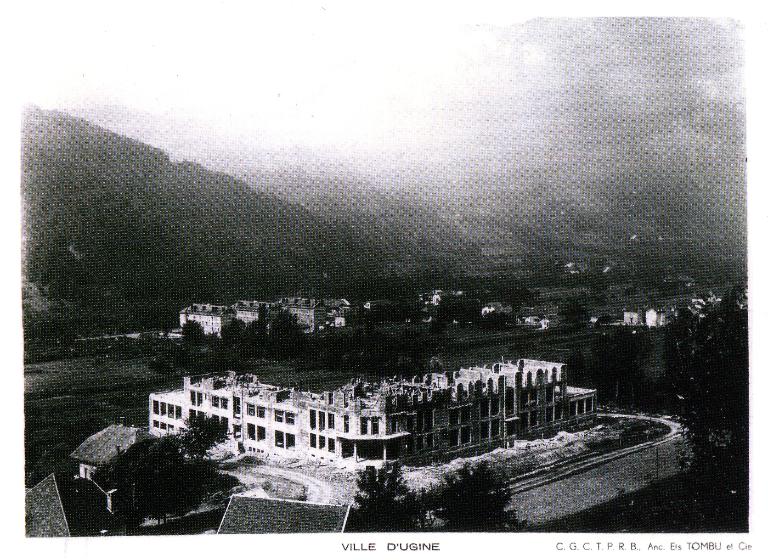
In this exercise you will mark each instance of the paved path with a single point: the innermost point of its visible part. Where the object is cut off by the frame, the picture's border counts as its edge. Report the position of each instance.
(559, 492)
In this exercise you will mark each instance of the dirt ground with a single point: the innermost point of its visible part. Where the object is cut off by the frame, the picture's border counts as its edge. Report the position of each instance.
(315, 482)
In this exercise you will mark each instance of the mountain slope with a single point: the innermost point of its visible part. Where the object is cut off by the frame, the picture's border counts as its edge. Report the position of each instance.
(110, 222)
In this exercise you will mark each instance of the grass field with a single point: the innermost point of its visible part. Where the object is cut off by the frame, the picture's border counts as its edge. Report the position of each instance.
(65, 401)
(674, 505)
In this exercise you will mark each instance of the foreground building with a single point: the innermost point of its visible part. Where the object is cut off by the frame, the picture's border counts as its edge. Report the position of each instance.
(105, 446)
(427, 418)
(250, 516)
(63, 506)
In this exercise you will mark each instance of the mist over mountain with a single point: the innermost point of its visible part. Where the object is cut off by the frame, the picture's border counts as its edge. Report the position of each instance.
(113, 223)
(110, 222)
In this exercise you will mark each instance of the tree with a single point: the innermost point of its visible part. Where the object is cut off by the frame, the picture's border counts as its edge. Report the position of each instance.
(152, 480)
(708, 360)
(574, 312)
(615, 366)
(233, 332)
(436, 364)
(437, 325)
(201, 434)
(383, 503)
(577, 366)
(256, 331)
(193, 332)
(286, 336)
(475, 498)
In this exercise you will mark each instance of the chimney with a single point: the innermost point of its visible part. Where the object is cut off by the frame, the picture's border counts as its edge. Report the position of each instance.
(110, 500)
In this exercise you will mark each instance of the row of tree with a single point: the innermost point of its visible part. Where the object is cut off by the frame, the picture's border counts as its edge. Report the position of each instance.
(366, 349)
(473, 498)
(707, 361)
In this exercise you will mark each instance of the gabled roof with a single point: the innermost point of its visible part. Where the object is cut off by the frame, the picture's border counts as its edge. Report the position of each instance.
(44, 512)
(103, 446)
(248, 515)
(64, 506)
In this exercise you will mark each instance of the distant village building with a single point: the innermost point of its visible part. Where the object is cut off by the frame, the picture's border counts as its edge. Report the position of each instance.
(536, 318)
(634, 317)
(496, 307)
(650, 317)
(310, 313)
(248, 311)
(105, 446)
(655, 318)
(430, 417)
(212, 318)
(339, 312)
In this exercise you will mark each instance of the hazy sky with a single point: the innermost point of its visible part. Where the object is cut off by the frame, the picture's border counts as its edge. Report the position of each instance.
(643, 116)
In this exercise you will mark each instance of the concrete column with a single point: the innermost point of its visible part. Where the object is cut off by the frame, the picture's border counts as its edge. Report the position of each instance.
(384, 444)
(541, 397)
(564, 393)
(354, 450)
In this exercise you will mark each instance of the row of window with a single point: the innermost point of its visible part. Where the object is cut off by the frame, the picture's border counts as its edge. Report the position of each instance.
(490, 429)
(253, 410)
(163, 409)
(421, 421)
(259, 433)
(163, 426)
(373, 421)
(219, 402)
(460, 436)
(425, 442)
(320, 442)
(485, 408)
(577, 408)
(196, 398)
(317, 420)
(285, 416)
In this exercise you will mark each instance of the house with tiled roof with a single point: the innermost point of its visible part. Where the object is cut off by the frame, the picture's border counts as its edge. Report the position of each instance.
(103, 447)
(44, 512)
(249, 515)
(62, 506)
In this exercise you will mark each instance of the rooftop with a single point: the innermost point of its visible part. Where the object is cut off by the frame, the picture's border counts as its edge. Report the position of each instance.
(63, 506)
(247, 515)
(44, 512)
(103, 446)
(207, 309)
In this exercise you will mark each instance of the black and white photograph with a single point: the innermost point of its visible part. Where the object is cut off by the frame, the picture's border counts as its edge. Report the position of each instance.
(318, 274)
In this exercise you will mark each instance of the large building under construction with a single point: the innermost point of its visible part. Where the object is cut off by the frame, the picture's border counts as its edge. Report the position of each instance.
(427, 418)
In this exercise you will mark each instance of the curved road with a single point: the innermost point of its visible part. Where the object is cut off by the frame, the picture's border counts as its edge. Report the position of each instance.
(567, 488)
(254, 476)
